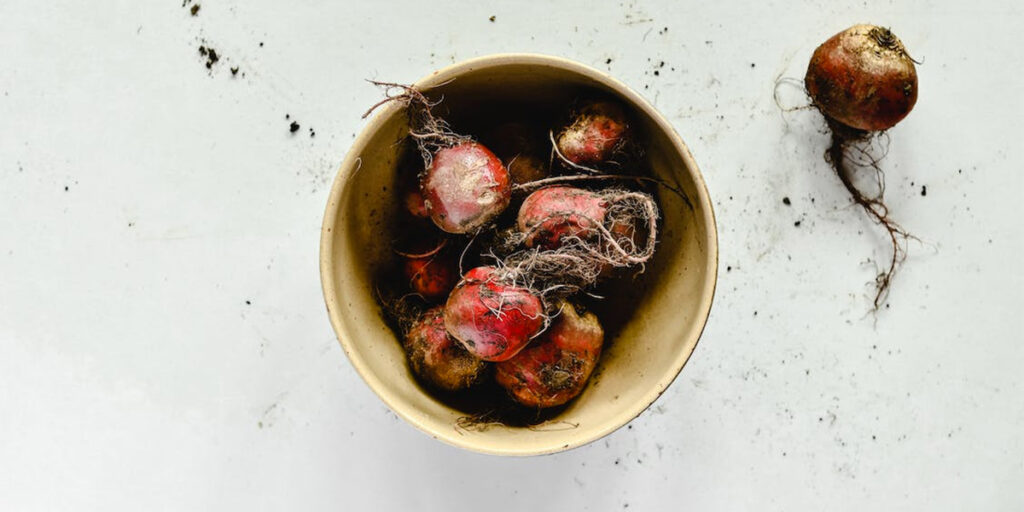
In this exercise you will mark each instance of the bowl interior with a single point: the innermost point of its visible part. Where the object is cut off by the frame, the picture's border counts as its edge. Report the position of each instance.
(658, 317)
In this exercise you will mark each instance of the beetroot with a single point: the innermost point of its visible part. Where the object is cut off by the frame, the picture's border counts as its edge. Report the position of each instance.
(432, 276)
(864, 81)
(521, 150)
(594, 135)
(465, 187)
(554, 368)
(602, 226)
(493, 318)
(863, 78)
(437, 358)
(415, 204)
(551, 213)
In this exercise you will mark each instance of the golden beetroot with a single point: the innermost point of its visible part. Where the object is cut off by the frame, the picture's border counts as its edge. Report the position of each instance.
(437, 358)
(555, 367)
(492, 317)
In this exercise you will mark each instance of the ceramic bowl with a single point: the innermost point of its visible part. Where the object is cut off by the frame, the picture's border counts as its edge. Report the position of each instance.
(662, 311)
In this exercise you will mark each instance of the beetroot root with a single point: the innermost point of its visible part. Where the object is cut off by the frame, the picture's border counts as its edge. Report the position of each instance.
(554, 368)
(437, 358)
(594, 135)
(465, 187)
(863, 78)
(493, 318)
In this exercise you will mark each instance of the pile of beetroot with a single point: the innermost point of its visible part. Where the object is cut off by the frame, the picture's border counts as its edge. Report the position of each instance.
(502, 245)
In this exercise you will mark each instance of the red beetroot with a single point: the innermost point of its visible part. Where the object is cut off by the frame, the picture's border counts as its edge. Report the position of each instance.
(522, 151)
(551, 213)
(864, 81)
(415, 204)
(863, 78)
(465, 187)
(594, 135)
(432, 276)
(554, 368)
(493, 319)
(437, 358)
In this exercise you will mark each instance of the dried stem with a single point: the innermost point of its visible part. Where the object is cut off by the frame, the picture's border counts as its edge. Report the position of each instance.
(431, 133)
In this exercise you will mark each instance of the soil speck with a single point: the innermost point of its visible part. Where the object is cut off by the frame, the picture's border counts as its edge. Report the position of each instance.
(210, 54)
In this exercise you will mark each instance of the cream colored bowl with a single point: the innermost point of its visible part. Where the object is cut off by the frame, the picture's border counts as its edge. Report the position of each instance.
(670, 302)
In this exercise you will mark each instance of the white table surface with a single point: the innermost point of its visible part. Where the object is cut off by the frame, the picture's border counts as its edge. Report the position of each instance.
(163, 339)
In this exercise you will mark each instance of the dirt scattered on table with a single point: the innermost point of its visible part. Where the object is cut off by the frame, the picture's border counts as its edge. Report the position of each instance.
(210, 54)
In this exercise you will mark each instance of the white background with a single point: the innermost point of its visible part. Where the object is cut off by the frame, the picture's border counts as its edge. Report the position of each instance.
(163, 339)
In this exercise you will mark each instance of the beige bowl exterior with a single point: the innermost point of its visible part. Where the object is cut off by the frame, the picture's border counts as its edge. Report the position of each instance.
(638, 364)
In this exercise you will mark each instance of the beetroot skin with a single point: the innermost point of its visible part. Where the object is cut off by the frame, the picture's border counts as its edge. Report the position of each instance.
(465, 187)
(554, 368)
(493, 320)
(551, 213)
(437, 358)
(863, 78)
(415, 204)
(433, 276)
(594, 135)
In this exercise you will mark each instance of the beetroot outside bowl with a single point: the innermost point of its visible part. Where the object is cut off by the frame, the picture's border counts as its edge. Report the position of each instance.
(663, 319)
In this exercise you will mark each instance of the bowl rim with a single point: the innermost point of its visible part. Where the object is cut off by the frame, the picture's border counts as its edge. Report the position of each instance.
(349, 166)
